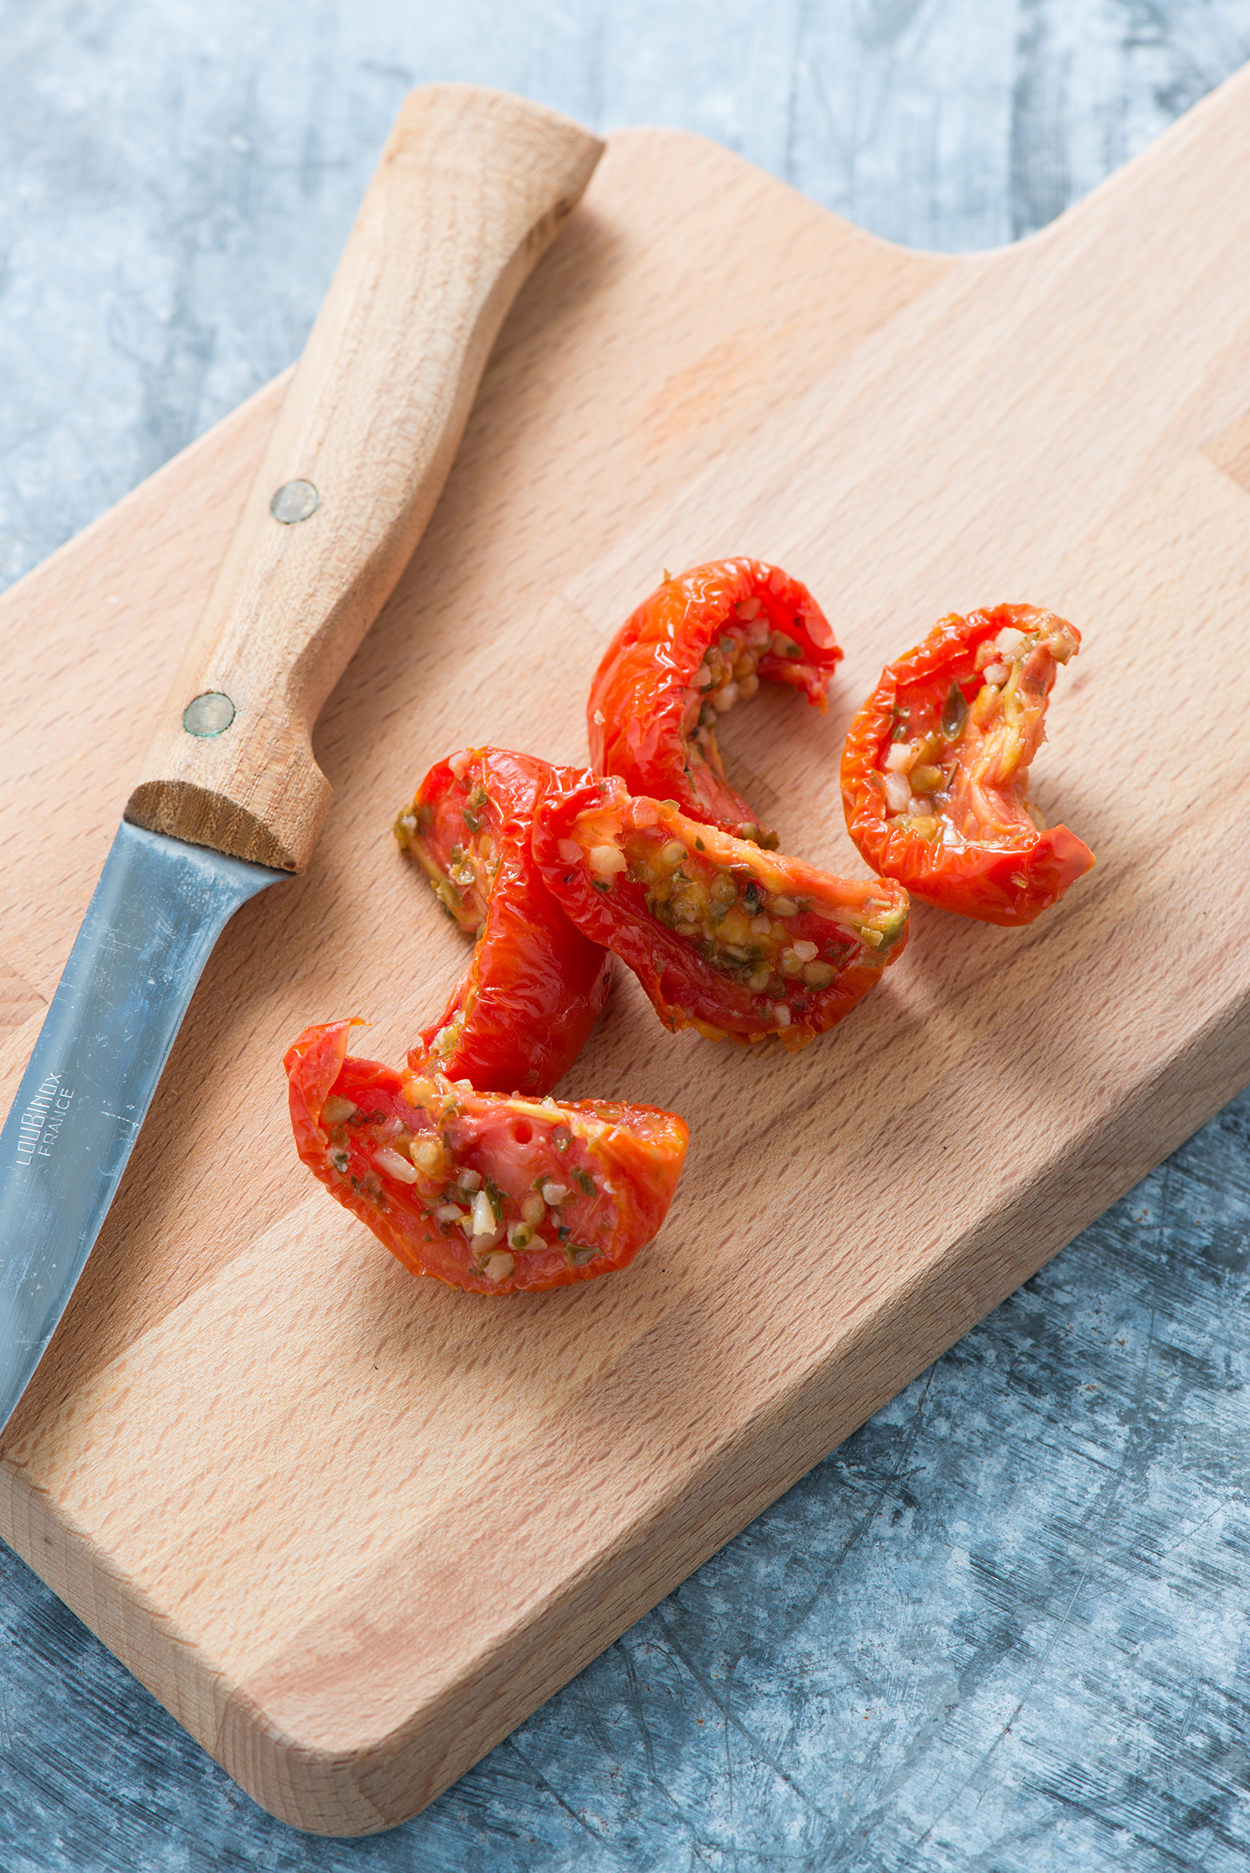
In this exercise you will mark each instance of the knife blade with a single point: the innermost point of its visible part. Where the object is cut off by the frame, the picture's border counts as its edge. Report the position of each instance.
(470, 189)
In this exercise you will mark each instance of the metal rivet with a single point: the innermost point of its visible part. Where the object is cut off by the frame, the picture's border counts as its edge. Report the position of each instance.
(295, 500)
(209, 714)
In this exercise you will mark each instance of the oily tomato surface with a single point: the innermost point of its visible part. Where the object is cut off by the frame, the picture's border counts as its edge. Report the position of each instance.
(725, 937)
(936, 768)
(534, 986)
(491, 1193)
(700, 643)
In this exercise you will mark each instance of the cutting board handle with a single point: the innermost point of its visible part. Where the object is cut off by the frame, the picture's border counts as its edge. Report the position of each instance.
(470, 189)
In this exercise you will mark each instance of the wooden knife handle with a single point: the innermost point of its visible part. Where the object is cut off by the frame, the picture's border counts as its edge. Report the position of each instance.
(471, 187)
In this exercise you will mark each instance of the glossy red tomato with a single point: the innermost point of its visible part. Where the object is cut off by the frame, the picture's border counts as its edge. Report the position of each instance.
(535, 985)
(724, 937)
(935, 769)
(688, 653)
(485, 1192)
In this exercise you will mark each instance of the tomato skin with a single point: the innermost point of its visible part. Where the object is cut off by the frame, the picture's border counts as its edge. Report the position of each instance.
(849, 929)
(618, 1164)
(1018, 871)
(535, 985)
(638, 715)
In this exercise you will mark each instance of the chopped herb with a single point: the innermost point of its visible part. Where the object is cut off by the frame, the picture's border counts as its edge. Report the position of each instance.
(954, 713)
(586, 1181)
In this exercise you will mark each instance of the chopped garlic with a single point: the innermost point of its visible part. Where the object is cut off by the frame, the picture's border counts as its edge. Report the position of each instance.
(394, 1166)
(336, 1109)
(897, 792)
(484, 1223)
(606, 860)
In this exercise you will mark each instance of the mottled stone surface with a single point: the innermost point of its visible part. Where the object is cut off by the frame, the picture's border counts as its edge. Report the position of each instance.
(1004, 1626)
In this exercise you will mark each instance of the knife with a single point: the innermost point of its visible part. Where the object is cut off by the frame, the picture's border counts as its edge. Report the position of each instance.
(471, 187)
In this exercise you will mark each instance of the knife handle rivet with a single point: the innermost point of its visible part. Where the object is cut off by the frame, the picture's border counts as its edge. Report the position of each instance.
(209, 714)
(295, 500)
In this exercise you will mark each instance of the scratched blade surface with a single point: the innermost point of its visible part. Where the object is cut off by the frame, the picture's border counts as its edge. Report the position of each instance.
(157, 911)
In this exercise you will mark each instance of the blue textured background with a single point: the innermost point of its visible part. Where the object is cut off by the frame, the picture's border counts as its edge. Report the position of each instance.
(1004, 1626)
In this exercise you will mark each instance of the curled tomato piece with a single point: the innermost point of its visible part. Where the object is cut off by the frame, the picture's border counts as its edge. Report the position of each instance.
(725, 938)
(535, 985)
(688, 653)
(936, 764)
(485, 1192)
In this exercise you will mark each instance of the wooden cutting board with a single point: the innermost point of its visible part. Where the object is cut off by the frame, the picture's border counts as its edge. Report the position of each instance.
(351, 1527)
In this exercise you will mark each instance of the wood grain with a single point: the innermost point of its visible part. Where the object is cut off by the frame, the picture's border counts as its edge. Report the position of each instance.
(351, 1527)
(469, 191)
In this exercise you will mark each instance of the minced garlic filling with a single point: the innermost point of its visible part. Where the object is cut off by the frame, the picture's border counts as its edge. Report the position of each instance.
(456, 1197)
(738, 925)
(728, 674)
(956, 778)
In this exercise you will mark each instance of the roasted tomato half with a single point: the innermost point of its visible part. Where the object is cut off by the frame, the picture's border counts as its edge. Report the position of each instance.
(688, 653)
(936, 766)
(485, 1192)
(724, 937)
(535, 985)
